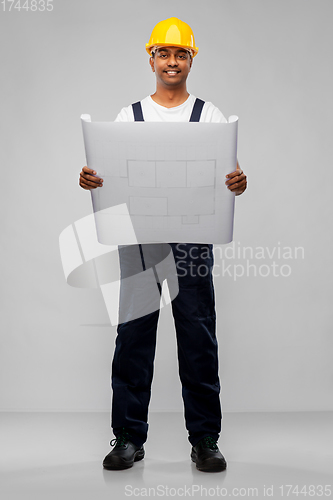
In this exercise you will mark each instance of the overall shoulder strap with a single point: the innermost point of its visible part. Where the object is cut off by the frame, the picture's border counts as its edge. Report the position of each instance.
(138, 117)
(137, 111)
(196, 111)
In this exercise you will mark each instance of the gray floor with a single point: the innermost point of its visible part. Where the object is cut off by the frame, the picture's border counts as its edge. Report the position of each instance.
(59, 456)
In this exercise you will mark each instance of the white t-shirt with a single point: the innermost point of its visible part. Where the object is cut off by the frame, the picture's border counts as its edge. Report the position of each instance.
(153, 112)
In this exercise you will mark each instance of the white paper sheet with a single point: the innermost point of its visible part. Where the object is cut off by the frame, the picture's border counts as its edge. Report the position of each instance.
(171, 176)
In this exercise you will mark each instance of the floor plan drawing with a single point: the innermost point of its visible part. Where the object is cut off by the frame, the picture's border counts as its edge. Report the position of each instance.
(171, 176)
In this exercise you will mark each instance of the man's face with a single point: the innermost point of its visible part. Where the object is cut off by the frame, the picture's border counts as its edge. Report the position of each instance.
(171, 66)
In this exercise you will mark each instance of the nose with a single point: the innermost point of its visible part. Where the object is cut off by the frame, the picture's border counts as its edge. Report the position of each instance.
(172, 60)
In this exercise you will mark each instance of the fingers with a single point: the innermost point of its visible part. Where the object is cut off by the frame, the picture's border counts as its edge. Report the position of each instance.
(237, 182)
(234, 173)
(88, 180)
(234, 179)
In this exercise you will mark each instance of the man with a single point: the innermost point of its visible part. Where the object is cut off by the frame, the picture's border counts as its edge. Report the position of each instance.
(171, 49)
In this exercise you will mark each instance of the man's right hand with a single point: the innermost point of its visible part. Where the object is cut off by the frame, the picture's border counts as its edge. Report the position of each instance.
(88, 179)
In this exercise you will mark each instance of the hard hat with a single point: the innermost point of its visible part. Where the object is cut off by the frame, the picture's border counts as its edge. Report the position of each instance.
(173, 32)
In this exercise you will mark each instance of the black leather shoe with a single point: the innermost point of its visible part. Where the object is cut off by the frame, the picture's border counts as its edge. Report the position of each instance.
(207, 456)
(124, 454)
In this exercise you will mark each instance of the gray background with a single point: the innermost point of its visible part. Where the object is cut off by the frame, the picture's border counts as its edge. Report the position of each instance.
(269, 63)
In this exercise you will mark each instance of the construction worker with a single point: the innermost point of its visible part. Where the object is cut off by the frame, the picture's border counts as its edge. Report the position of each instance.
(171, 49)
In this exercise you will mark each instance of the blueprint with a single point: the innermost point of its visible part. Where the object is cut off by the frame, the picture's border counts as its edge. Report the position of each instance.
(163, 182)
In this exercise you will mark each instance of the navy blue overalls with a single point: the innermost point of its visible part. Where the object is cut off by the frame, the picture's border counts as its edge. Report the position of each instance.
(194, 315)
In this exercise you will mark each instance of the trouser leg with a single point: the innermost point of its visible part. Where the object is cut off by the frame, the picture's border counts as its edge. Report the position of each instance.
(195, 321)
(132, 365)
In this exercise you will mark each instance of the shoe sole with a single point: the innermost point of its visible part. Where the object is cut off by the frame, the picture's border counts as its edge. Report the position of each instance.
(122, 464)
(210, 465)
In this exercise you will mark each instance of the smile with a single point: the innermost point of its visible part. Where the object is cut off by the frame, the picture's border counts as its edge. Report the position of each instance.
(172, 72)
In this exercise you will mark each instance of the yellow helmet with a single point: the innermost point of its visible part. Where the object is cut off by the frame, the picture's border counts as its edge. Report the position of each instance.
(173, 32)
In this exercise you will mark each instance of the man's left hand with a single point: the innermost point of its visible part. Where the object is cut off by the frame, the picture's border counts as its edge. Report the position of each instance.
(236, 181)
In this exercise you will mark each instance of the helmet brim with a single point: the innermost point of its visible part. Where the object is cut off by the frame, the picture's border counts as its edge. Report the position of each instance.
(194, 50)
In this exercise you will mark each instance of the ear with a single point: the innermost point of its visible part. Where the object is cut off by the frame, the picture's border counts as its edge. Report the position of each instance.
(151, 62)
(191, 62)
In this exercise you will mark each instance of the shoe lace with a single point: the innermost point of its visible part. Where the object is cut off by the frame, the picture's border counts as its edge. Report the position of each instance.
(120, 440)
(210, 442)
